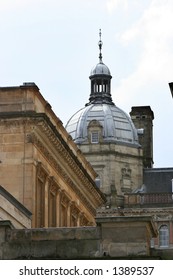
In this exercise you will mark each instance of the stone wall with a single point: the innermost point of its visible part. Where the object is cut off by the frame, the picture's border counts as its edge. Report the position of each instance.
(119, 168)
(113, 237)
(50, 243)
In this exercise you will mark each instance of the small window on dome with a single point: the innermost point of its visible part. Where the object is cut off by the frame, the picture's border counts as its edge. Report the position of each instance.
(94, 137)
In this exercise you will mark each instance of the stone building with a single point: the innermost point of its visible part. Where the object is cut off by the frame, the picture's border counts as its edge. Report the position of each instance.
(98, 172)
(120, 148)
(39, 163)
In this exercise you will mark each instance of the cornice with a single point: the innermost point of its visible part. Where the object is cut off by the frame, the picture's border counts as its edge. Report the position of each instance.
(135, 211)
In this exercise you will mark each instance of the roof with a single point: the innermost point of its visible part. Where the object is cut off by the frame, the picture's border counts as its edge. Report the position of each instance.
(158, 180)
(100, 69)
(15, 202)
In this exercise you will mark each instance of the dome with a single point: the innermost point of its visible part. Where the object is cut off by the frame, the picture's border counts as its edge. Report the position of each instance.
(113, 124)
(100, 69)
(117, 126)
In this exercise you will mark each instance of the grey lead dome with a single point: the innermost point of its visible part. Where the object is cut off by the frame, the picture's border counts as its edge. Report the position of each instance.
(117, 125)
(100, 69)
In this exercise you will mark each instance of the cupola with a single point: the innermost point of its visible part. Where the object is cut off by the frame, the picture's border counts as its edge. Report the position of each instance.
(100, 77)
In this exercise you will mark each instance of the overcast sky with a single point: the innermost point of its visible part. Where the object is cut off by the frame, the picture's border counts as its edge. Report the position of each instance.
(55, 44)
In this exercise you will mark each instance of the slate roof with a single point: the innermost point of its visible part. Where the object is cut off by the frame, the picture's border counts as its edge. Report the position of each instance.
(158, 180)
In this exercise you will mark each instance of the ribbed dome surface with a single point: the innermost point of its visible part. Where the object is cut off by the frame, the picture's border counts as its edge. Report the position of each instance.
(117, 125)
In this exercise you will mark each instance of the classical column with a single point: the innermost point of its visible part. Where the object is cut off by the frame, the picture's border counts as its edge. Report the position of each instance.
(41, 178)
(80, 219)
(170, 232)
(58, 204)
(70, 203)
(46, 201)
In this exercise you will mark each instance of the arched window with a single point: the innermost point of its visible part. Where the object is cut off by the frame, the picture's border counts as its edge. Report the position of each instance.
(164, 236)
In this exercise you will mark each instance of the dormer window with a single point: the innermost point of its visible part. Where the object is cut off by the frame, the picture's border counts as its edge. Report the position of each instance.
(95, 132)
(94, 137)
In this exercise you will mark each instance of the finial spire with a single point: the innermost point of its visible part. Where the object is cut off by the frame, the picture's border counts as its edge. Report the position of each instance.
(100, 43)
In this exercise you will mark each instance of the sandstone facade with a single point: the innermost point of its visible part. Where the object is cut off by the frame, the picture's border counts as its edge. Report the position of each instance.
(119, 168)
(40, 165)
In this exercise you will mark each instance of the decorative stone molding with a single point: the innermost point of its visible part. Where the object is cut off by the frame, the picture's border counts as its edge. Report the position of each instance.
(64, 198)
(53, 188)
(126, 183)
(42, 174)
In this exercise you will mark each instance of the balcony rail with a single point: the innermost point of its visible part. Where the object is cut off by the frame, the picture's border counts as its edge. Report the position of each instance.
(152, 199)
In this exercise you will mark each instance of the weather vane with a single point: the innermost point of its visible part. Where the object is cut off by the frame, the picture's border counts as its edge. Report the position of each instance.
(100, 43)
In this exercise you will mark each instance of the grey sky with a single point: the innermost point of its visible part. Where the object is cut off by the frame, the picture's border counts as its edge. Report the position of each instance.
(55, 44)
